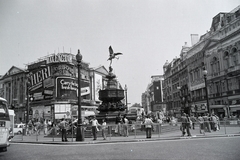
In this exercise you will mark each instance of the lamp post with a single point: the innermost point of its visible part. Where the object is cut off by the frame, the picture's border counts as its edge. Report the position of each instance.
(27, 100)
(125, 88)
(79, 136)
(181, 99)
(206, 90)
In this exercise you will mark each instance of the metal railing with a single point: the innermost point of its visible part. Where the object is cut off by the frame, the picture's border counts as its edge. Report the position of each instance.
(135, 131)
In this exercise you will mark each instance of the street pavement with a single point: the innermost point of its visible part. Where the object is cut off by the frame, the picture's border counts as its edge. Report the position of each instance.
(171, 135)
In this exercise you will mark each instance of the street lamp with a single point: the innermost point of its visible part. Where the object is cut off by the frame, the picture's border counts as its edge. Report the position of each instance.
(27, 118)
(125, 88)
(181, 99)
(79, 136)
(206, 90)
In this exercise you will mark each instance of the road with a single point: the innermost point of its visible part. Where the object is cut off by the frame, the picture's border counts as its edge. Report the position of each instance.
(220, 148)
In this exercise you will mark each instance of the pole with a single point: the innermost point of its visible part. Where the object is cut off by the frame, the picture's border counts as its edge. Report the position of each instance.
(79, 136)
(27, 109)
(126, 99)
(205, 79)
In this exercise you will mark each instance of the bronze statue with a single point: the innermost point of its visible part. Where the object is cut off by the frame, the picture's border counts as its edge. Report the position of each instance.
(112, 55)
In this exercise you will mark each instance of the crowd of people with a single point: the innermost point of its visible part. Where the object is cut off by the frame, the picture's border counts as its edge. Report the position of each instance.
(207, 123)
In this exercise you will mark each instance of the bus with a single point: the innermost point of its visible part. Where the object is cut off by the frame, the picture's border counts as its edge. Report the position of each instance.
(4, 125)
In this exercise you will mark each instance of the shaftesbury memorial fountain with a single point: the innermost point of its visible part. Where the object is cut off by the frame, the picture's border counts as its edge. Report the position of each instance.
(111, 96)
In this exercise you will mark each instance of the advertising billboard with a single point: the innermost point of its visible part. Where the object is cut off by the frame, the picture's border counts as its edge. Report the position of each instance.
(67, 88)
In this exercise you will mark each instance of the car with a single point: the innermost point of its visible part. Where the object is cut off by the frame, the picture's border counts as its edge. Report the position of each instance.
(18, 128)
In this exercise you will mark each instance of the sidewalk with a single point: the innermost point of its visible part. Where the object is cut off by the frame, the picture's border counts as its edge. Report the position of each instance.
(173, 135)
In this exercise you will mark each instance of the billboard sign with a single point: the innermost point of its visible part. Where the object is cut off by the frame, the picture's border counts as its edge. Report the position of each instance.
(67, 88)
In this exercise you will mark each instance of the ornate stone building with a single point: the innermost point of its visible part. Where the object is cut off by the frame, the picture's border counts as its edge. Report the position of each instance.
(13, 89)
(152, 98)
(217, 51)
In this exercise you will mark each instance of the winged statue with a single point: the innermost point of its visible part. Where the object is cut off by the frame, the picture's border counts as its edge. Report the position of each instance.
(112, 55)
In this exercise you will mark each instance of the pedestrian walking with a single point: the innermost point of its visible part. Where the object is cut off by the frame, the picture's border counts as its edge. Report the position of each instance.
(95, 125)
(45, 129)
(119, 122)
(201, 124)
(218, 122)
(148, 126)
(125, 126)
(194, 120)
(185, 125)
(206, 122)
(63, 126)
(215, 121)
(30, 127)
(104, 127)
(49, 125)
(37, 127)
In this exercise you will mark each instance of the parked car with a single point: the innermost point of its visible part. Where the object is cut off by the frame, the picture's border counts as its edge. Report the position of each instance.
(18, 128)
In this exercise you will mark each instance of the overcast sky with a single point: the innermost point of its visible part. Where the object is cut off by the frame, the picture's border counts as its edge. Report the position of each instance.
(147, 32)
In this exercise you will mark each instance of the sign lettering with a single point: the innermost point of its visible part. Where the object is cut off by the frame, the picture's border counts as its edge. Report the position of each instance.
(39, 76)
(61, 57)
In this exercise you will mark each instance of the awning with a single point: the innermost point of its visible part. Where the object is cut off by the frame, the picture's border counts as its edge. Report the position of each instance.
(200, 108)
(234, 97)
(85, 107)
(217, 106)
(234, 106)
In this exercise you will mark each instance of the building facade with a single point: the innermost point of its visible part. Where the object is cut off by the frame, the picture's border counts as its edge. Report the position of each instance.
(217, 52)
(51, 85)
(152, 98)
(13, 89)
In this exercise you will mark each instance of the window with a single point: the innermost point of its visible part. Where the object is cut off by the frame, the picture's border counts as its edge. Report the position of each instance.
(234, 56)
(226, 60)
(215, 66)
(217, 87)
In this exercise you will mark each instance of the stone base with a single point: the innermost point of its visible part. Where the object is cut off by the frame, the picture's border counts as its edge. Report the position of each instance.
(111, 116)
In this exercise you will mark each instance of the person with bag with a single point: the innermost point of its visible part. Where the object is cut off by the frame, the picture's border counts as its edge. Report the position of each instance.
(148, 126)
(95, 129)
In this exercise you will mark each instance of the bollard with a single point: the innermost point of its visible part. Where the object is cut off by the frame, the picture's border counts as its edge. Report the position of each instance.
(225, 126)
(159, 125)
(110, 132)
(135, 132)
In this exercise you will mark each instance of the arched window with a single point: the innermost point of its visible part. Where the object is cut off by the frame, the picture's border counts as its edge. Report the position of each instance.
(226, 60)
(234, 56)
(215, 66)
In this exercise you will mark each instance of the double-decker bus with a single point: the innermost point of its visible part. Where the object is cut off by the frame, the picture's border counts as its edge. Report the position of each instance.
(4, 125)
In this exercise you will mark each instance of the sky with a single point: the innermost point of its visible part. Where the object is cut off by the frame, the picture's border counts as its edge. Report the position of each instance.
(147, 32)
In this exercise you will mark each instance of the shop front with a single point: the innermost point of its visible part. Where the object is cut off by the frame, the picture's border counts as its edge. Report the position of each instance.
(220, 110)
(234, 111)
(199, 108)
(234, 106)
